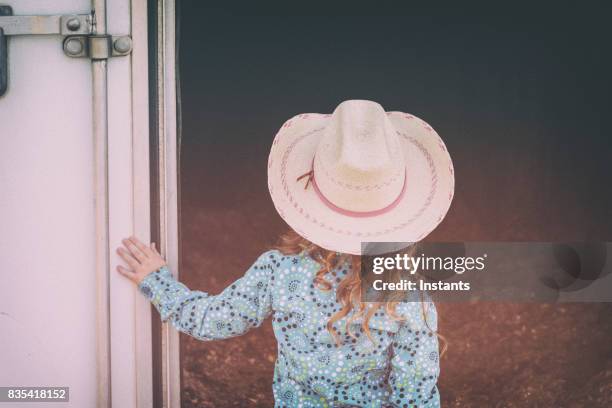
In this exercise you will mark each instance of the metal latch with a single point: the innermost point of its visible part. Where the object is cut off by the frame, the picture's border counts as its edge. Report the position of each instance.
(79, 30)
(97, 46)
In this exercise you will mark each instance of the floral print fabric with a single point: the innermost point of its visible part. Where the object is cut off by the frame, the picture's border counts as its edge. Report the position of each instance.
(399, 368)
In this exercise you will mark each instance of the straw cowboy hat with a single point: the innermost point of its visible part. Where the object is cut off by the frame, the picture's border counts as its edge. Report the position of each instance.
(360, 175)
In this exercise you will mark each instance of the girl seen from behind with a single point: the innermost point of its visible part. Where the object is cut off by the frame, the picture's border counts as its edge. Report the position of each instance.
(358, 175)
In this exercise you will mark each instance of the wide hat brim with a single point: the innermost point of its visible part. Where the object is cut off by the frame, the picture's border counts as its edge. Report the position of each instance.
(429, 187)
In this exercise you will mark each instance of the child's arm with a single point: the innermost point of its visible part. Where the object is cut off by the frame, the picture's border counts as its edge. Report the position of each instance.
(415, 362)
(241, 306)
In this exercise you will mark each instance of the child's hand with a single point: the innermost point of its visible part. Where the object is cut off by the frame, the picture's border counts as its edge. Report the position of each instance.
(142, 259)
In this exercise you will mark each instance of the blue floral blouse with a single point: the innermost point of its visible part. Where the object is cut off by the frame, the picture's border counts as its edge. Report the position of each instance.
(398, 369)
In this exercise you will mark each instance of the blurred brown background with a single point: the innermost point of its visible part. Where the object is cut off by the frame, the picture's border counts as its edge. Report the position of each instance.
(522, 100)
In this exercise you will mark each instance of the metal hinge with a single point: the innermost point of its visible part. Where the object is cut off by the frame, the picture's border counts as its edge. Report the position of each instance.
(80, 41)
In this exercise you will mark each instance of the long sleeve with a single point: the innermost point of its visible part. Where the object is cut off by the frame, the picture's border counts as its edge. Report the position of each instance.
(415, 361)
(241, 306)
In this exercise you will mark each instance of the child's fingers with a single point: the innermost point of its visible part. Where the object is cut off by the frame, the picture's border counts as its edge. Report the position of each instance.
(142, 247)
(135, 251)
(127, 273)
(124, 271)
(127, 257)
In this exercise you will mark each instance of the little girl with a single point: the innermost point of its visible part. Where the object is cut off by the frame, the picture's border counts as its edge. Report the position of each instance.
(334, 349)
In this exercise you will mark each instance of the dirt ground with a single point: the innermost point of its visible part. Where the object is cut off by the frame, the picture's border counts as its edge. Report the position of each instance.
(499, 354)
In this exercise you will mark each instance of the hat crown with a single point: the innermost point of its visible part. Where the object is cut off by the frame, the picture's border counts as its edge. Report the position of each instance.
(360, 152)
(360, 138)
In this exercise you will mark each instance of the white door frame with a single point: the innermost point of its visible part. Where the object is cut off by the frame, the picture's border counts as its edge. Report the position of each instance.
(141, 191)
(121, 124)
(168, 150)
(162, 143)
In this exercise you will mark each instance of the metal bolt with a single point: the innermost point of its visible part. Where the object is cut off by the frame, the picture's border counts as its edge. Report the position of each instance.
(123, 44)
(73, 46)
(73, 24)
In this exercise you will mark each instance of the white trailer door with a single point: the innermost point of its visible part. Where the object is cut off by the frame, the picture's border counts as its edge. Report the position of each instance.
(74, 180)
